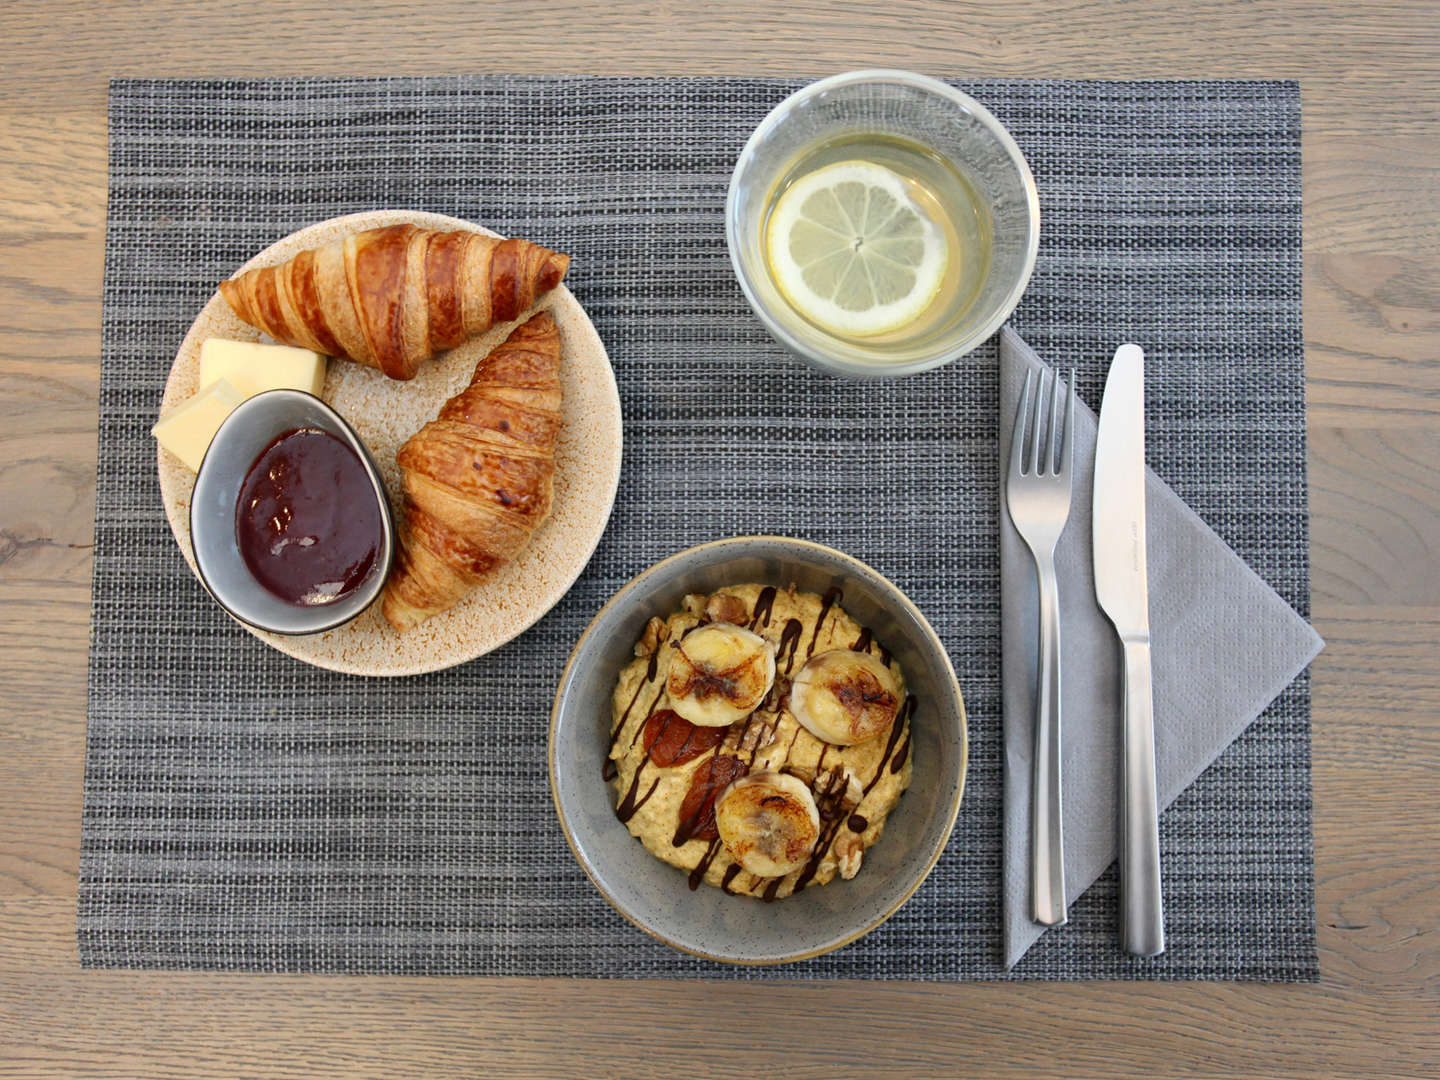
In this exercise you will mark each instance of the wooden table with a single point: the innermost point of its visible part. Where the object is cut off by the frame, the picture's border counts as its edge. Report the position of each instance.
(1371, 85)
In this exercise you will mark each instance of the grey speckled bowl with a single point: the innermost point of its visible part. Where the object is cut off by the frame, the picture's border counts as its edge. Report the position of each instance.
(654, 895)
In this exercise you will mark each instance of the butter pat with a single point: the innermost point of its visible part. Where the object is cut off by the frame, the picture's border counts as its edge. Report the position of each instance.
(252, 368)
(186, 431)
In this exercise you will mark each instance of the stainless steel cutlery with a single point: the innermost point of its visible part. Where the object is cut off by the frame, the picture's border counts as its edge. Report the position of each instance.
(1122, 589)
(1037, 491)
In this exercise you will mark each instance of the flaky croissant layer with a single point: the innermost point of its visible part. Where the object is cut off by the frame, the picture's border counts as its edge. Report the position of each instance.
(479, 479)
(393, 297)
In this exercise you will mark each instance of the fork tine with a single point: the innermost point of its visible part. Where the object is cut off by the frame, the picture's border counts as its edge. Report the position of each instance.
(1052, 440)
(1067, 447)
(1017, 441)
(1036, 417)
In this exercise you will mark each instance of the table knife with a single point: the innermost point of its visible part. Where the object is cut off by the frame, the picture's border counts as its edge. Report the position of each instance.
(1121, 587)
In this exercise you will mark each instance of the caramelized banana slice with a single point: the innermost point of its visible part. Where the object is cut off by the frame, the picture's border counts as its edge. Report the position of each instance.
(845, 697)
(719, 674)
(768, 822)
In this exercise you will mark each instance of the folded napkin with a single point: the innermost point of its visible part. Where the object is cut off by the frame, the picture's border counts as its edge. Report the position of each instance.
(1224, 644)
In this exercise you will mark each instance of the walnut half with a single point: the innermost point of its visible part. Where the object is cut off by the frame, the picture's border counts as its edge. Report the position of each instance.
(757, 733)
(655, 632)
(848, 852)
(722, 607)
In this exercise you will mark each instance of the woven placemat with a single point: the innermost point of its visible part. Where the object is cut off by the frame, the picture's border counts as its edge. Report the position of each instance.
(245, 811)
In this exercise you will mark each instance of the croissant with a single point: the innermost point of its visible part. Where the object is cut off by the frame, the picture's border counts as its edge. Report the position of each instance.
(479, 479)
(392, 298)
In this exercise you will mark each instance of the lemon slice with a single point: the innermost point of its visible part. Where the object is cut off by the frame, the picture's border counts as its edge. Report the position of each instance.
(852, 251)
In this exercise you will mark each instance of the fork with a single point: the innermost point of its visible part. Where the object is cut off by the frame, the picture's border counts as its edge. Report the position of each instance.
(1037, 492)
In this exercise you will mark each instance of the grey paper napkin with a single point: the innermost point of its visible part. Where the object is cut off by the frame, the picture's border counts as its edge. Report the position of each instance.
(1224, 644)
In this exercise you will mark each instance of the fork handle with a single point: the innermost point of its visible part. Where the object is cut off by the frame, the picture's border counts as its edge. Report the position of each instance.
(1142, 917)
(1047, 852)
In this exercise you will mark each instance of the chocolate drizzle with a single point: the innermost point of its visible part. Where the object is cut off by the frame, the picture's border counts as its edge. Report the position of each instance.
(625, 714)
(789, 640)
(862, 644)
(703, 866)
(640, 727)
(628, 805)
(754, 743)
(685, 831)
(731, 873)
(901, 724)
(822, 845)
(763, 605)
(832, 597)
(608, 771)
(898, 761)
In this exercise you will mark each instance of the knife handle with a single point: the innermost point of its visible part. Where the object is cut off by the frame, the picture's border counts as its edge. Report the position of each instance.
(1047, 853)
(1142, 917)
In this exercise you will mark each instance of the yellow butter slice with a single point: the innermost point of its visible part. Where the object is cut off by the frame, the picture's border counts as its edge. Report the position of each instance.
(252, 368)
(186, 431)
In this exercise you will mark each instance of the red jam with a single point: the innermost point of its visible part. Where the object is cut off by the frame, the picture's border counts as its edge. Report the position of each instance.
(307, 522)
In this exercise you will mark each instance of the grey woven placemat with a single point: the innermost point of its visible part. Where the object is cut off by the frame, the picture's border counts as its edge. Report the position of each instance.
(245, 811)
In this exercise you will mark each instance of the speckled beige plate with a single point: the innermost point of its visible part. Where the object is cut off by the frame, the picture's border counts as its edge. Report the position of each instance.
(386, 413)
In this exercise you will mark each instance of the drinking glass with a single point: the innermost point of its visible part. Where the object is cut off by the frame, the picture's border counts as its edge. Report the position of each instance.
(861, 109)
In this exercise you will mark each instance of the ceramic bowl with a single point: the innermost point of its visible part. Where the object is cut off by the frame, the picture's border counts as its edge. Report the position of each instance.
(656, 896)
(241, 439)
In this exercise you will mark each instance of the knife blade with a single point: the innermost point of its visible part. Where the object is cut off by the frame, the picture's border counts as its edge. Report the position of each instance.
(1122, 588)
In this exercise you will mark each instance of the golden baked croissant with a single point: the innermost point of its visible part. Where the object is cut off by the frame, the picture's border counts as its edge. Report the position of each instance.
(479, 479)
(394, 297)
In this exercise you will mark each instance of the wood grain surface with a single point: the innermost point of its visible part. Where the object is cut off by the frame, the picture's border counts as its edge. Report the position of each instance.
(1370, 77)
